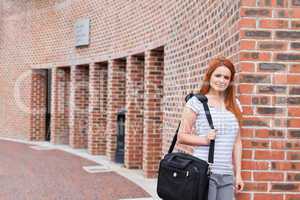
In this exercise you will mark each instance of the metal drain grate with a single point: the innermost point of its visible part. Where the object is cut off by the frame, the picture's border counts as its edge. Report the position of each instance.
(96, 169)
(41, 148)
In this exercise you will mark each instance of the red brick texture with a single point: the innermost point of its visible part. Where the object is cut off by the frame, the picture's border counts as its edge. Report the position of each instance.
(97, 108)
(60, 131)
(79, 106)
(145, 57)
(38, 105)
(270, 88)
(116, 87)
(153, 111)
(135, 111)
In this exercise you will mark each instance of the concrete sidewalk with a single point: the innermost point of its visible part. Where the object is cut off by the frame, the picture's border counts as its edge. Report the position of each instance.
(48, 167)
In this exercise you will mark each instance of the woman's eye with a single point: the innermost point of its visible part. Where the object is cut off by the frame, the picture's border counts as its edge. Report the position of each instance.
(226, 77)
(218, 75)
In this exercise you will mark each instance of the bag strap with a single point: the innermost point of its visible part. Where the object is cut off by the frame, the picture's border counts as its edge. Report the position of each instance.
(203, 99)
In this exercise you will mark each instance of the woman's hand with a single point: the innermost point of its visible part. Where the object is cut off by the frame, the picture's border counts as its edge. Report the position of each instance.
(239, 184)
(212, 135)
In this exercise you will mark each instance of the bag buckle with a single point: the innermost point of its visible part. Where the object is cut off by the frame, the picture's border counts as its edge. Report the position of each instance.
(209, 168)
(187, 173)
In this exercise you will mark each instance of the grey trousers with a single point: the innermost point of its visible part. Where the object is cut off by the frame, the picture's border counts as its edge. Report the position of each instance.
(221, 187)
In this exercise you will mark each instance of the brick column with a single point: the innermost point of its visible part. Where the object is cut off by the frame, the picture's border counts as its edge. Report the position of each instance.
(97, 110)
(60, 105)
(134, 115)
(38, 105)
(269, 62)
(79, 106)
(103, 106)
(153, 113)
(115, 101)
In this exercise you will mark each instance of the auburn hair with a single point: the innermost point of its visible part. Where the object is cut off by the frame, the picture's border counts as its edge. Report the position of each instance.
(229, 93)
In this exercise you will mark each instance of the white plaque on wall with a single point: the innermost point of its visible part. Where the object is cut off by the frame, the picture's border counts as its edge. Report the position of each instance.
(82, 32)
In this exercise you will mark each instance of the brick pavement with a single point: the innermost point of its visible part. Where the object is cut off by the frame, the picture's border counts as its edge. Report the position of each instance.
(27, 173)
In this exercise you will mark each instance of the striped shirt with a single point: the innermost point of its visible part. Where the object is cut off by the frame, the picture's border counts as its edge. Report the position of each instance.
(226, 124)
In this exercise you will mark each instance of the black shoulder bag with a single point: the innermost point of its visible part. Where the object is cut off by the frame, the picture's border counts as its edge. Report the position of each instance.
(182, 176)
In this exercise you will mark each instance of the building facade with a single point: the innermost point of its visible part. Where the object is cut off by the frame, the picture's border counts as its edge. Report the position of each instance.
(141, 59)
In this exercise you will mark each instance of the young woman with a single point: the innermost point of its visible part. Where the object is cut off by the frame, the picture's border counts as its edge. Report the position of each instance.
(226, 112)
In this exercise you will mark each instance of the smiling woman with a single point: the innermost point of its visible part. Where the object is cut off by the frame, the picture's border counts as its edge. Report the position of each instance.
(218, 86)
(219, 82)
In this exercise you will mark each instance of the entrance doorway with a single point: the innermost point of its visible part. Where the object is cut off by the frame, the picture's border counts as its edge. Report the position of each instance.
(120, 136)
(48, 105)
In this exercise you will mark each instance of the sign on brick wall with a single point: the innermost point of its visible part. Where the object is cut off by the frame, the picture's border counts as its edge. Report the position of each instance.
(82, 32)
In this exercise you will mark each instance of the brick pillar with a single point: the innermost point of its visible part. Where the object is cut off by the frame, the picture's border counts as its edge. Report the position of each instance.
(79, 106)
(115, 101)
(134, 115)
(38, 105)
(60, 105)
(269, 65)
(97, 111)
(153, 113)
(103, 106)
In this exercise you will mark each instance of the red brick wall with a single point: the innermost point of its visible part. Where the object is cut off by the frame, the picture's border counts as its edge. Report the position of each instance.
(38, 102)
(60, 130)
(97, 112)
(79, 106)
(15, 60)
(208, 29)
(116, 87)
(103, 105)
(135, 111)
(269, 83)
(153, 111)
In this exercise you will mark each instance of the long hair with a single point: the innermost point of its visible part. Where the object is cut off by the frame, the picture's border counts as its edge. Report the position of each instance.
(229, 93)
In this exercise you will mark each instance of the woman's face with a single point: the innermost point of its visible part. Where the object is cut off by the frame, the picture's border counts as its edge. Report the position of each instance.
(220, 79)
